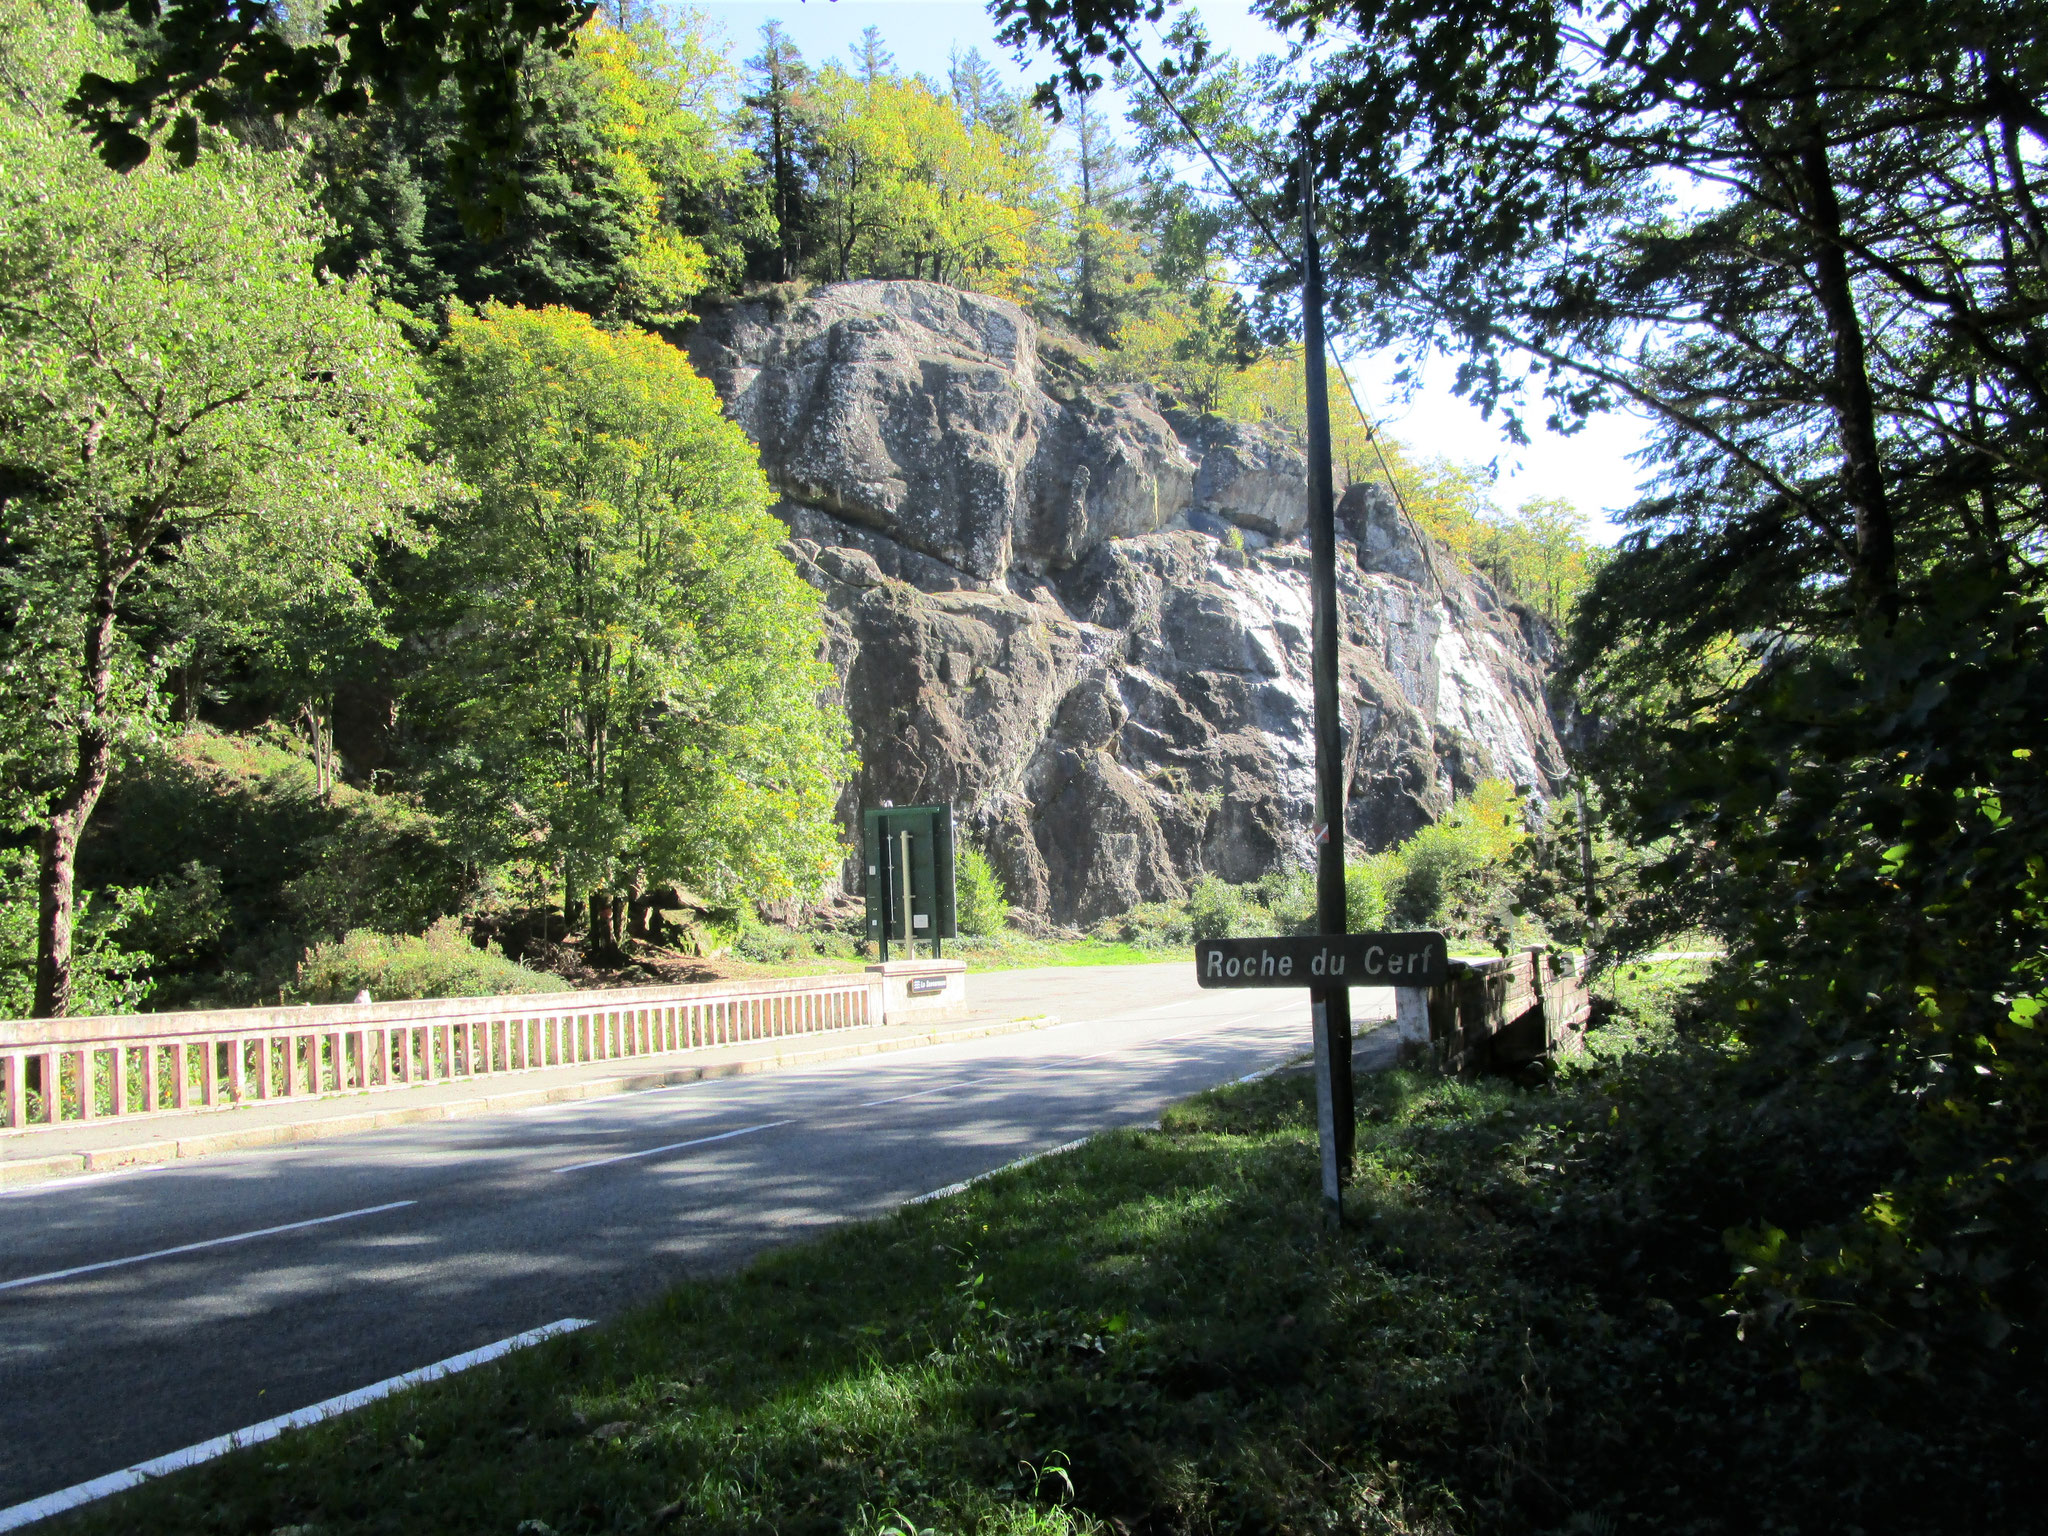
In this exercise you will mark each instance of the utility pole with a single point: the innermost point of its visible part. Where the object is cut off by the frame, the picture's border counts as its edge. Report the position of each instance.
(1329, 1007)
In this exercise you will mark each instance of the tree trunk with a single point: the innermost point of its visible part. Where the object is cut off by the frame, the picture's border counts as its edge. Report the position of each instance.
(1874, 578)
(56, 877)
(636, 904)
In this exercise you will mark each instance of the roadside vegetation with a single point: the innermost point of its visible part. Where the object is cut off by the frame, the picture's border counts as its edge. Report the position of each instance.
(1529, 1324)
(226, 875)
(461, 618)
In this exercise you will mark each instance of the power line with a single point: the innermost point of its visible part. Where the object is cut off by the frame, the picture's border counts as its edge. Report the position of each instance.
(1372, 437)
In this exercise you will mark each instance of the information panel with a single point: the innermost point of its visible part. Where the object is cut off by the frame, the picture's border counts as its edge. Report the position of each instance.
(907, 852)
(1419, 959)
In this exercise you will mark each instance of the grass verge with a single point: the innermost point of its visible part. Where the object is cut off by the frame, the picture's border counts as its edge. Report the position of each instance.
(1157, 1333)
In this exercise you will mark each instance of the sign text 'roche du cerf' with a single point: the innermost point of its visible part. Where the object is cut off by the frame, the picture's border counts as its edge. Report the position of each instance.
(1315, 960)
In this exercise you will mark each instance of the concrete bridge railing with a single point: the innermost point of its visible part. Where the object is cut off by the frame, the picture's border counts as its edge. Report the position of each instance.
(63, 1071)
(1500, 1014)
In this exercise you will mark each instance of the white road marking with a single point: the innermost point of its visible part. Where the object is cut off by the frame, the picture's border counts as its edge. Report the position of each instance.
(211, 1242)
(117, 1482)
(971, 1181)
(923, 1093)
(1264, 1072)
(674, 1146)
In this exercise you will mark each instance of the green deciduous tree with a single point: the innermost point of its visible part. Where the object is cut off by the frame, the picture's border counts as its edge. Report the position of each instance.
(177, 383)
(904, 186)
(626, 672)
(1540, 552)
(1195, 345)
(214, 63)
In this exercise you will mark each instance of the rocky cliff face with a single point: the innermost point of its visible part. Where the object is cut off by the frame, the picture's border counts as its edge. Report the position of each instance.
(1038, 603)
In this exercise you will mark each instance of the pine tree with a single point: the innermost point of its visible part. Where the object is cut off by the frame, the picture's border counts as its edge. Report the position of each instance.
(1107, 273)
(871, 61)
(779, 128)
(977, 90)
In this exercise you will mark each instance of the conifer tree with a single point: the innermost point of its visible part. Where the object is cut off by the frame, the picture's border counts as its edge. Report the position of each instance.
(872, 61)
(1107, 278)
(779, 128)
(977, 90)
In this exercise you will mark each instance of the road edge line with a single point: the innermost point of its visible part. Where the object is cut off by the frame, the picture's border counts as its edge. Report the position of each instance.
(81, 1494)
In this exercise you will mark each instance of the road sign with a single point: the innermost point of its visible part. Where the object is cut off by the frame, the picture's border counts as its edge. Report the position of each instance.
(907, 854)
(1419, 959)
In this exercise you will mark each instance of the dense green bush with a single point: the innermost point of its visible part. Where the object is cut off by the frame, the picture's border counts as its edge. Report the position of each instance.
(247, 863)
(109, 970)
(1454, 875)
(1366, 891)
(981, 904)
(1439, 868)
(442, 962)
(1219, 910)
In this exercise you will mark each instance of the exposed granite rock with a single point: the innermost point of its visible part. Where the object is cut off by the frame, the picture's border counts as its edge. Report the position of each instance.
(1036, 618)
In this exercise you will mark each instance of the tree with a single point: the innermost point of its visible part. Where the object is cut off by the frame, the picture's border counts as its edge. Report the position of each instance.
(1196, 345)
(978, 93)
(178, 384)
(1106, 277)
(627, 675)
(860, 169)
(211, 62)
(629, 195)
(903, 186)
(1541, 553)
(778, 125)
(872, 61)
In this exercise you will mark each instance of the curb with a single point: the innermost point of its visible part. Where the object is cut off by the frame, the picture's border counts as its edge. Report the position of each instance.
(37, 1170)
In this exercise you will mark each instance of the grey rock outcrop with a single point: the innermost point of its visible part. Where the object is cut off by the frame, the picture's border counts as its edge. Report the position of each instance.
(1041, 615)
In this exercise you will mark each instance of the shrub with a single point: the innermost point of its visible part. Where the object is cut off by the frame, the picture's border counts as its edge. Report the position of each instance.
(249, 863)
(384, 865)
(107, 969)
(1366, 887)
(1150, 925)
(442, 962)
(1453, 875)
(1289, 897)
(1437, 868)
(765, 945)
(1219, 910)
(981, 904)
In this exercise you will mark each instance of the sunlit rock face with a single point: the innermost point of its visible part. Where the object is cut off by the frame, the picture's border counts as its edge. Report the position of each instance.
(1038, 605)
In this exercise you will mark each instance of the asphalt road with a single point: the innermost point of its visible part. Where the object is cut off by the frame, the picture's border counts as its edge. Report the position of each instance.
(423, 1242)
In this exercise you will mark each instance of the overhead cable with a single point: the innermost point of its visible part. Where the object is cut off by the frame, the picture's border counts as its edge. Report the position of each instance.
(1280, 248)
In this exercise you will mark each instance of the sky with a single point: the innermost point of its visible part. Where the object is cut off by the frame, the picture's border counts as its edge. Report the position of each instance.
(1590, 469)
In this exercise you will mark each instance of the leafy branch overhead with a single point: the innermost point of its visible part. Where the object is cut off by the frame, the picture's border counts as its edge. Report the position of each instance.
(212, 61)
